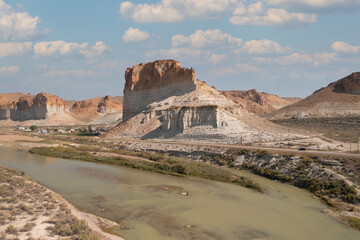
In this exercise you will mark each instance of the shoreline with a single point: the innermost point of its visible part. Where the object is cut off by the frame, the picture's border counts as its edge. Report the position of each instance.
(340, 215)
(96, 223)
(31, 211)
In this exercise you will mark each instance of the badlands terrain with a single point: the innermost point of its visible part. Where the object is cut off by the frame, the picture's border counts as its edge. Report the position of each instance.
(339, 99)
(171, 123)
(163, 100)
(49, 110)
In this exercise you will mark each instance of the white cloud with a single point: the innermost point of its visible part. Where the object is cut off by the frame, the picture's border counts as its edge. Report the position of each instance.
(345, 48)
(14, 48)
(109, 64)
(98, 49)
(210, 38)
(12, 69)
(217, 58)
(297, 58)
(63, 73)
(245, 67)
(257, 14)
(43, 66)
(175, 10)
(135, 35)
(62, 48)
(263, 46)
(177, 53)
(15, 25)
(235, 69)
(313, 5)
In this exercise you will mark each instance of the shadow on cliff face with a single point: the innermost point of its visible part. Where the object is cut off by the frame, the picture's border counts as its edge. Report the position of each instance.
(159, 133)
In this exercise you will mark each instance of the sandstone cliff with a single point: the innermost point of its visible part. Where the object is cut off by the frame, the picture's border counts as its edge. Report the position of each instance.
(153, 82)
(30, 107)
(338, 99)
(259, 103)
(164, 100)
(100, 109)
(47, 109)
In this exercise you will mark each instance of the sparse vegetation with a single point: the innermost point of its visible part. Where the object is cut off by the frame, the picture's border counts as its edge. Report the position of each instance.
(22, 201)
(345, 129)
(354, 222)
(153, 162)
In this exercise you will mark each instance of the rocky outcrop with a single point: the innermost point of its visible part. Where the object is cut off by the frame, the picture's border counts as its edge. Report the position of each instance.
(349, 84)
(338, 99)
(170, 103)
(52, 110)
(99, 110)
(30, 107)
(153, 82)
(259, 103)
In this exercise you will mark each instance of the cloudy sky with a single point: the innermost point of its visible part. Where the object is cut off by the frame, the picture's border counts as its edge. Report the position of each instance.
(80, 49)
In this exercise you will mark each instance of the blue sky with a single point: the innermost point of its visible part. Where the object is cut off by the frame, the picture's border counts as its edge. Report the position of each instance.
(80, 49)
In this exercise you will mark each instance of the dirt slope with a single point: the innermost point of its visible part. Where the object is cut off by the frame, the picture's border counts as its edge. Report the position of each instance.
(338, 99)
(259, 103)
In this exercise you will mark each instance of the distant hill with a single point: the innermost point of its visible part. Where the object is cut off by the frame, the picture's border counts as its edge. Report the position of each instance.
(259, 103)
(338, 99)
(48, 109)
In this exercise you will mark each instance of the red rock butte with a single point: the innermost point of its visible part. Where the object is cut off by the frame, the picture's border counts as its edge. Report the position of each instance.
(154, 81)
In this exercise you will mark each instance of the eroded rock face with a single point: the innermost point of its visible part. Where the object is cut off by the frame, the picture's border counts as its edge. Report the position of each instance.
(349, 84)
(170, 103)
(182, 118)
(30, 107)
(153, 82)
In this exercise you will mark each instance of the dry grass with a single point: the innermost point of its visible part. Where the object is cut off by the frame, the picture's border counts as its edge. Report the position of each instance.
(25, 206)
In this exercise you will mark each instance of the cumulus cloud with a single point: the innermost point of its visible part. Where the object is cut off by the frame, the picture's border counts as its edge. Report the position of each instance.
(14, 48)
(15, 25)
(245, 67)
(177, 53)
(135, 35)
(264, 46)
(62, 48)
(258, 14)
(209, 38)
(12, 69)
(98, 49)
(344, 47)
(217, 58)
(235, 69)
(297, 58)
(75, 73)
(316, 5)
(175, 11)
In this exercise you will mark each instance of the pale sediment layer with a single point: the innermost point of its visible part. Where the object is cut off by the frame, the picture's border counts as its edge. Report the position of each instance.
(187, 110)
(31, 211)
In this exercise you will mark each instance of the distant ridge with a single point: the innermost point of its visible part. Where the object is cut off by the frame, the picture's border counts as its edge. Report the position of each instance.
(338, 99)
(259, 103)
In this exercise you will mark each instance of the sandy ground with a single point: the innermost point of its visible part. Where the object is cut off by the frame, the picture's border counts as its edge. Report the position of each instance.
(31, 211)
(95, 223)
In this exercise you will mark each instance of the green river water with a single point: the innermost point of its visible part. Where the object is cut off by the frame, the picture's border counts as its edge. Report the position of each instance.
(151, 206)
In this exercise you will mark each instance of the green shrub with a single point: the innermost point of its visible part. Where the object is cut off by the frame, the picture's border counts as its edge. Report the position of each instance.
(11, 230)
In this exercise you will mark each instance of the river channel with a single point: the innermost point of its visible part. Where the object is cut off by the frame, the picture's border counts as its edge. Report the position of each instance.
(151, 206)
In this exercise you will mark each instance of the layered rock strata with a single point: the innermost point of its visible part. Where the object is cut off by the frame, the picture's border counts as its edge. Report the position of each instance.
(47, 109)
(29, 107)
(153, 82)
(259, 103)
(166, 101)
